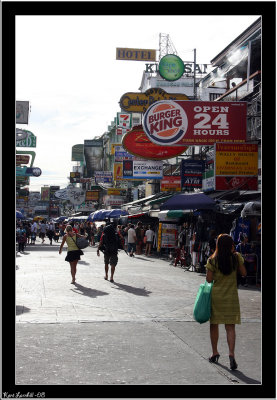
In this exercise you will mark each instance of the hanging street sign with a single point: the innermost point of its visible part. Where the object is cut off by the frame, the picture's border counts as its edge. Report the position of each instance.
(136, 142)
(29, 141)
(139, 102)
(199, 123)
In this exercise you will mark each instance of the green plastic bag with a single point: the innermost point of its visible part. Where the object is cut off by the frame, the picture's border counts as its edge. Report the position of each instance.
(202, 305)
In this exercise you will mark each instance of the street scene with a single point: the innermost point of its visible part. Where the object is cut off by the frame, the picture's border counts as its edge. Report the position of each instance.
(138, 215)
(138, 330)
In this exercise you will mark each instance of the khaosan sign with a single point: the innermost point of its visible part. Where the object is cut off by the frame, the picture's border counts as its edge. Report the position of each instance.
(136, 142)
(139, 102)
(178, 123)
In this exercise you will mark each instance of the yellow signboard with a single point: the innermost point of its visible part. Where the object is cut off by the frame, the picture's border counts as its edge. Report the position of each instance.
(135, 54)
(139, 102)
(114, 192)
(236, 159)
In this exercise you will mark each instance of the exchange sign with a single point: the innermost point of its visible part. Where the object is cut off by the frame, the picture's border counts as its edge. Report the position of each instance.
(195, 122)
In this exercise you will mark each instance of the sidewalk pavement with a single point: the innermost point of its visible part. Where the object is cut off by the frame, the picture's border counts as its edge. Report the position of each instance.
(138, 330)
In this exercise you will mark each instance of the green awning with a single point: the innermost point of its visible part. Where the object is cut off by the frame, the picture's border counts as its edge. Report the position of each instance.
(175, 213)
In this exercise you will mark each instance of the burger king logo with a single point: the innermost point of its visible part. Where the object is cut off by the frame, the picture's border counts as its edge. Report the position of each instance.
(165, 122)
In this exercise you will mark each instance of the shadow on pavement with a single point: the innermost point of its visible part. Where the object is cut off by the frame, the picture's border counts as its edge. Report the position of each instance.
(83, 262)
(132, 289)
(143, 258)
(239, 375)
(22, 310)
(85, 291)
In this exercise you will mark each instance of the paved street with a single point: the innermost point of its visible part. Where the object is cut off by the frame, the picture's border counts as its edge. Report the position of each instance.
(137, 330)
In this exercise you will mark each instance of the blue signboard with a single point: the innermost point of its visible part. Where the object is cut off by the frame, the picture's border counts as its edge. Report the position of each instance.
(191, 173)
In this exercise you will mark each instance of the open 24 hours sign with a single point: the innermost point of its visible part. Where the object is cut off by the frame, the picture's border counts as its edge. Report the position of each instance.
(181, 122)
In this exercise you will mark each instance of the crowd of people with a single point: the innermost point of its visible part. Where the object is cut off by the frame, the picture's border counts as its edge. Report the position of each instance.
(227, 263)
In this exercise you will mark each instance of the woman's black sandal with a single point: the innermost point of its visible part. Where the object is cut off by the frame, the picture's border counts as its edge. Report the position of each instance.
(214, 359)
(233, 364)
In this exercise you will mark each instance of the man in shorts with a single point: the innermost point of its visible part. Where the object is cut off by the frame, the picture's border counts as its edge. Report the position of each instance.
(108, 242)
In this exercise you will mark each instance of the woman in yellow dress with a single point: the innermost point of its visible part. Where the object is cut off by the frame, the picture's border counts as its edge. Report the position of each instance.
(222, 268)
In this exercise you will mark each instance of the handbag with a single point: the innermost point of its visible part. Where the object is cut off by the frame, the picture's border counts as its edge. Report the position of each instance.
(81, 242)
(202, 305)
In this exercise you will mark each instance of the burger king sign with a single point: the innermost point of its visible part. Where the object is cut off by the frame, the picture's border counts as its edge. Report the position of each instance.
(183, 122)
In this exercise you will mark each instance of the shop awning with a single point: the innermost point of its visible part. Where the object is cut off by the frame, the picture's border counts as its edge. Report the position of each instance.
(171, 215)
(159, 200)
(189, 201)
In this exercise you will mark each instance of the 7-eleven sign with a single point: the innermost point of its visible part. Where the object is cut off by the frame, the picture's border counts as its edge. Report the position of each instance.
(124, 120)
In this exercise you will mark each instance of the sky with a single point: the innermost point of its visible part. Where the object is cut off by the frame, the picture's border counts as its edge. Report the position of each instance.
(66, 68)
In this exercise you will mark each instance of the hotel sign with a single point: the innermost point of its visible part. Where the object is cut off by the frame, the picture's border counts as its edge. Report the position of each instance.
(135, 54)
(139, 102)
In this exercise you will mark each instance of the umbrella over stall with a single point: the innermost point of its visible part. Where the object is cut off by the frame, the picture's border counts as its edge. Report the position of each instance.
(19, 215)
(189, 201)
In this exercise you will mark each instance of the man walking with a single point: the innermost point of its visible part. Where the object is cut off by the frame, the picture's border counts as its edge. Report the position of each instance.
(149, 240)
(131, 240)
(109, 245)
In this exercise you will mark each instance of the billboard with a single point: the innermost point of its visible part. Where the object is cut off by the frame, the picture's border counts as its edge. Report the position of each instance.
(182, 122)
(93, 155)
(171, 67)
(45, 194)
(139, 102)
(75, 177)
(76, 196)
(236, 159)
(136, 142)
(22, 112)
(191, 174)
(103, 176)
(77, 152)
(22, 159)
(171, 184)
(29, 141)
(236, 166)
(124, 120)
(92, 195)
(146, 169)
(135, 54)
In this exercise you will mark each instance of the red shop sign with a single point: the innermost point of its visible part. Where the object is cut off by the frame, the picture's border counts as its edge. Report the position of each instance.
(236, 182)
(181, 122)
(137, 143)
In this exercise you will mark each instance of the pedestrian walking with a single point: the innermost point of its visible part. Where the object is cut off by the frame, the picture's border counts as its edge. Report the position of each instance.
(42, 231)
(149, 240)
(109, 245)
(139, 234)
(247, 252)
(131, 240)
(21, 238)
(34, 229)
(222, 268)
(73, 252)
(51, 231)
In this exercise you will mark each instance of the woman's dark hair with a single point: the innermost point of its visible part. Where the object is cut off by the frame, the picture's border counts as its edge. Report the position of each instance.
(227, 260)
